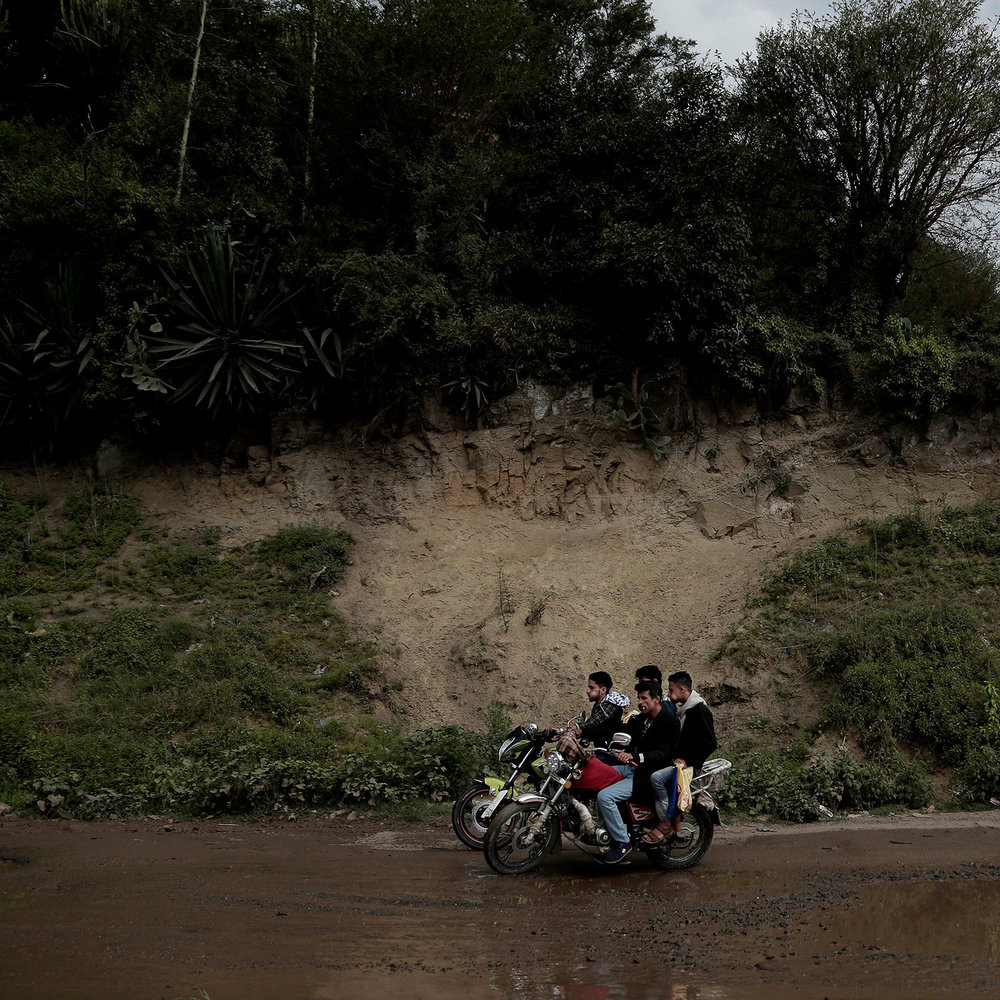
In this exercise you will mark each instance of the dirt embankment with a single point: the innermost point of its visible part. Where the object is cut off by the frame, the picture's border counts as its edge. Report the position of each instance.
(507, 563)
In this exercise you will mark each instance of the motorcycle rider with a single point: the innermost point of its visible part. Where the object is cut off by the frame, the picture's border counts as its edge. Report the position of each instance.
(653, 736)
(694, 745)
(651, 672)
(606, 715)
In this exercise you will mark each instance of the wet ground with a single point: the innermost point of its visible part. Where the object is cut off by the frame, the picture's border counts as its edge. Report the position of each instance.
(903, 908)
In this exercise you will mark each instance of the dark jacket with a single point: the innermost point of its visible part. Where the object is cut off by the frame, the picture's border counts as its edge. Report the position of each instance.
(653, 748)
(697, 741)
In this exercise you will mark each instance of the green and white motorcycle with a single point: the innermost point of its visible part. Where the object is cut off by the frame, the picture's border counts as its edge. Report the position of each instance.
(521, 754)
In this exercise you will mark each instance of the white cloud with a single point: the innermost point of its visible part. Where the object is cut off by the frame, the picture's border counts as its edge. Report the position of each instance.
(731, 27)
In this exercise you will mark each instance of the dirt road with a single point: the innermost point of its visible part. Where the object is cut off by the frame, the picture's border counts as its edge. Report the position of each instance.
(892, 908)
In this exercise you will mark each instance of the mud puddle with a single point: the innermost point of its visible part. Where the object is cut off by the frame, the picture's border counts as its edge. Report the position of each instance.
(324, 909)
(941, 918)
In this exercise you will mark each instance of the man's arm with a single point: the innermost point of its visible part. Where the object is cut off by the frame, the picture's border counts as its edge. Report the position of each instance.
(698, 737)
(603, 713)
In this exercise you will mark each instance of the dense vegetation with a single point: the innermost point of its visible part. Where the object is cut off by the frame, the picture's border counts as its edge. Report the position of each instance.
(236, 208)
(896, 621)
(181, 676)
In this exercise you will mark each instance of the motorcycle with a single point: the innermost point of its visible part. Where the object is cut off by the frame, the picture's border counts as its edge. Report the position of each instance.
(524, 831)
(475, 808)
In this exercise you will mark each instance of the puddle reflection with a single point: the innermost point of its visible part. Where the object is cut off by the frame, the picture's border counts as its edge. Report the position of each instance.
(602, 983)
(925, 918)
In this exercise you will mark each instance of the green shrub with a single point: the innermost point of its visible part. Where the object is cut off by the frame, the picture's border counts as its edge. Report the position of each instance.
(910, 369)
(977, 777)
(304, 557)
(132, 642)
(232, 676)
(186, 569)
(100, 518)
(767, 783)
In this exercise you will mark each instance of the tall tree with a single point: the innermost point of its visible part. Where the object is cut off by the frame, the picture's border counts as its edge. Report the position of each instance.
(881, 119)
(189, 105)
(621, 225)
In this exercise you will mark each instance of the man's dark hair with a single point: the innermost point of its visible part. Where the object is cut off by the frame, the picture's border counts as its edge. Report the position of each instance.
(652, 687)
(602, 679)
(682, 679)
(650, 672)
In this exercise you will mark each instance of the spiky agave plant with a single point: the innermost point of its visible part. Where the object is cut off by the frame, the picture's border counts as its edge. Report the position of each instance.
(45, 352)
(225, 336)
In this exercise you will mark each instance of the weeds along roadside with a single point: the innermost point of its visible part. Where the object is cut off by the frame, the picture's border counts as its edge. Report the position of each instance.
(894, 621)
(142, 673)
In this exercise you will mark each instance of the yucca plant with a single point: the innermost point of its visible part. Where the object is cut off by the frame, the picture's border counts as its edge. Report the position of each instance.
(44, 356)
(225, 337)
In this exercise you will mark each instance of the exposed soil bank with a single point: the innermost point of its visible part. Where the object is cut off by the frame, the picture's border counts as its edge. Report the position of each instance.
(890, 908)
(507, 563)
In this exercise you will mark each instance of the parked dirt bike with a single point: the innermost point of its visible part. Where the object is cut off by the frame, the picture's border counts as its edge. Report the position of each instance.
(524, 831)
(475, 808)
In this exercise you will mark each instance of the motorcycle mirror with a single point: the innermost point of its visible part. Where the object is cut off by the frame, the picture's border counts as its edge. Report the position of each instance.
(620, 739)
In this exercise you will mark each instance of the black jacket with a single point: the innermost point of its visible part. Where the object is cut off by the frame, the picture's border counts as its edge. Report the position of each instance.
(697, 741)
(652, 749)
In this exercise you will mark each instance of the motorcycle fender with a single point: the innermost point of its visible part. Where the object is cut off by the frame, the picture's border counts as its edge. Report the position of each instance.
(541, 800)
(495, 786)
(531, 797)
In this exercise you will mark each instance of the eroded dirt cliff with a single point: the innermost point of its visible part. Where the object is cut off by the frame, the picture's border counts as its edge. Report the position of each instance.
(507, 563)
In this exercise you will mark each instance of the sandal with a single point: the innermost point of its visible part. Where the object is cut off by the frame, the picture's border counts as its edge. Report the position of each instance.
(658, 833)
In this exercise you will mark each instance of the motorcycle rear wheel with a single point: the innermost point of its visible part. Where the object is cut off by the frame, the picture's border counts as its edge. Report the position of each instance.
(511, 846)
(466, 815)
(689, 848)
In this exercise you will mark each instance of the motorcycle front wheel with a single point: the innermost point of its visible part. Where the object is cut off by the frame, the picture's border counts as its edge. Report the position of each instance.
(512, 845)
(466, 815)
(689, 847)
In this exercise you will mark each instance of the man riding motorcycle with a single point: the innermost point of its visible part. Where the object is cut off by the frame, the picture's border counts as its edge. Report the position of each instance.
(653, 733)
(606, 715)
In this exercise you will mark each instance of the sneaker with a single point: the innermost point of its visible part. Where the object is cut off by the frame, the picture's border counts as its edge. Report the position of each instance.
(616, 854)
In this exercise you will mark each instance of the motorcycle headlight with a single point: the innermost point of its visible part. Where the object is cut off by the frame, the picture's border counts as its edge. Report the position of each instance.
(555, 764)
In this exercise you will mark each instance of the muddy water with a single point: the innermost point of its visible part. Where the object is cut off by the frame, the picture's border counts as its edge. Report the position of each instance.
(905, 909)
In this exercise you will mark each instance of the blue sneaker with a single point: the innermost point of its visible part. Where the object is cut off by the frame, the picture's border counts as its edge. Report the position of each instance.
(616, 854)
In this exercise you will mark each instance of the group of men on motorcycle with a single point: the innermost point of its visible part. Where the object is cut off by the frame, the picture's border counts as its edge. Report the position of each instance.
(671, 731)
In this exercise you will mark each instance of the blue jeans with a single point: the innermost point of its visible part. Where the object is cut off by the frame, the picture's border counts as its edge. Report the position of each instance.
(608, 799)
(664, 784)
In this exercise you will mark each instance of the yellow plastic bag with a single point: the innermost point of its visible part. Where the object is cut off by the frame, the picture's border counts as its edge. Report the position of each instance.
(684, 776)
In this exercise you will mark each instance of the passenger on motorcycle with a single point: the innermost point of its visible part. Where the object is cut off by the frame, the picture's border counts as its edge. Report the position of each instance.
(653, 735)
(651, 672)
(695, 744)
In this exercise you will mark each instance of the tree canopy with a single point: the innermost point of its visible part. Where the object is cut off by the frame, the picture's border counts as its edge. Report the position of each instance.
(888, 111)
(344, 205)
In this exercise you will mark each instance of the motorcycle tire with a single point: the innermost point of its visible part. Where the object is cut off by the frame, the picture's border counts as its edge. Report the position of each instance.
(687, 849)
(511, 847)
(465, 815)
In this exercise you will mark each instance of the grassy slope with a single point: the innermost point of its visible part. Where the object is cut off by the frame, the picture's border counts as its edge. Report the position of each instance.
(896, 620)
(140, 672)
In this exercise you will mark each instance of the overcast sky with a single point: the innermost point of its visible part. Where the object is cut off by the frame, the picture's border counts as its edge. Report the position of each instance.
(731, 26)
